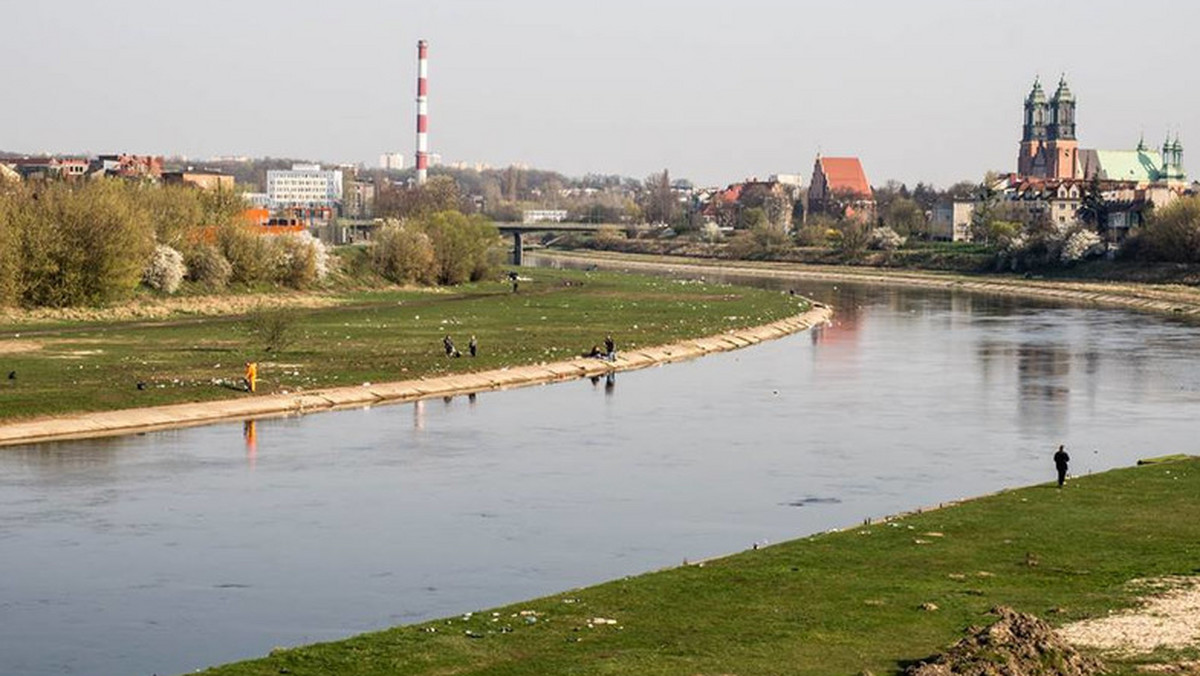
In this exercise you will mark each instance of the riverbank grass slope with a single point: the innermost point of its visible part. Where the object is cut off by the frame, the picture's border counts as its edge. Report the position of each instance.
(870, 599)
(352, 337)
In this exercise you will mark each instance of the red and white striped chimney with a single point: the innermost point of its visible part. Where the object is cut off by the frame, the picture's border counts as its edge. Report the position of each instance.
(422, 111)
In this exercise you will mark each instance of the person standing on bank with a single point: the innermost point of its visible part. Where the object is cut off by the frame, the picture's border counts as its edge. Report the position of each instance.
(473, 347)
(1060, 463)
(610, 348)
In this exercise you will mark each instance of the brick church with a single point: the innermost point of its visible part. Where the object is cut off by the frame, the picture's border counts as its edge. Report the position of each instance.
(1048, 145)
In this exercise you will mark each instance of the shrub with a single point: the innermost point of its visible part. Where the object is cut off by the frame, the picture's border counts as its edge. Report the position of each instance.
(1080, 245)
(762, 242)
(884, 239)
(460, 245)
(11, 228)
(813, 234)
(208, 266)
(174, 211)
(851, 238)
(402, 254)
(166, 269)
(83, 245)
(711, 233)
(252, 258)
(301, 260)
(273, 328)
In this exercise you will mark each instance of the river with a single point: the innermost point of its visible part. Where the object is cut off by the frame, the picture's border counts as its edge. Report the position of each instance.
(170, 551)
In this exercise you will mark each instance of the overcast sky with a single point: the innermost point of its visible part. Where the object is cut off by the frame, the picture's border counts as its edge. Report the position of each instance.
(714, 91)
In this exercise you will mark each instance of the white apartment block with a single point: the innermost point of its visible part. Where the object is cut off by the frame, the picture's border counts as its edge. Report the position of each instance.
(391, 161)
(544, 216)
(304, 185)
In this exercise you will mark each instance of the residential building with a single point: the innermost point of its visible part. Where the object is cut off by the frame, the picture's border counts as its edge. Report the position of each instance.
(130, 166)
(304, 186)
(951, 220)
(359, 199)
(794, 180)
(839, 187)
(257, 199)
(213, 181)
(50, 168)
(1057, 199)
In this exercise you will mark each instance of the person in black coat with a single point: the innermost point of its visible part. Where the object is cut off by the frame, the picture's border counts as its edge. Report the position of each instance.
(1060, 463)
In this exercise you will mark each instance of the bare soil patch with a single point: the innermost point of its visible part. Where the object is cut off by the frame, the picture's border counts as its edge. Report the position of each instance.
(1168, 617)
(19, 346)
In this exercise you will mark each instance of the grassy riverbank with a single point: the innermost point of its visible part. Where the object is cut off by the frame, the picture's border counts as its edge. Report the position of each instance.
(838, 603)
(354, 337)
(1176, 299)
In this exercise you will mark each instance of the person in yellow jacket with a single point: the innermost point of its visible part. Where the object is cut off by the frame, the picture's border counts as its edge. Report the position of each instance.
(251, 375)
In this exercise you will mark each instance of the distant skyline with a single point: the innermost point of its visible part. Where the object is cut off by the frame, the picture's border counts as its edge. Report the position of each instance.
(713, 91)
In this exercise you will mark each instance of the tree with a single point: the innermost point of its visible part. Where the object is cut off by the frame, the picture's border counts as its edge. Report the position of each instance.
(776, 206)
(905, 217)
(440, 193)
(890, 192)
(987, 201)
(1172, 233)
(658, 199)
(1093, 208)
(460, 245)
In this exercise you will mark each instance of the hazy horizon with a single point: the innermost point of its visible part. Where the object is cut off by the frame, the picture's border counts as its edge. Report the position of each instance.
(920, 91)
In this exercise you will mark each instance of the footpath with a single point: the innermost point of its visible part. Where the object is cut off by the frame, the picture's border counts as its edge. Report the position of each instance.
(1172, 299)
(111, 423)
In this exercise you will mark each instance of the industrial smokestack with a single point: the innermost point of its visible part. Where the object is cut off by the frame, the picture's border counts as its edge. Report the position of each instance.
(422, 111)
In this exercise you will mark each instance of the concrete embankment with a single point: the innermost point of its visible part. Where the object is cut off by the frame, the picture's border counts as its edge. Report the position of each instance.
(1171, 299)
(182, 415)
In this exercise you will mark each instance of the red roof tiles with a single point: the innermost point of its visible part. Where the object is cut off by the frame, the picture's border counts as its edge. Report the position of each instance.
(845, 174)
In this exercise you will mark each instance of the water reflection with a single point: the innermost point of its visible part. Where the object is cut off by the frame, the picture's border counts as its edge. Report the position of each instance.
(250, 435)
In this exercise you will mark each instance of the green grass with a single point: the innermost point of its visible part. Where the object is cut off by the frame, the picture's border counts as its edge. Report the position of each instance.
(837, 603)
(375, 335)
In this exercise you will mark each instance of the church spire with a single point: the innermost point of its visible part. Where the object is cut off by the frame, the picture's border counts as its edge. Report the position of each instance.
(1062, 112)
(1035, 113)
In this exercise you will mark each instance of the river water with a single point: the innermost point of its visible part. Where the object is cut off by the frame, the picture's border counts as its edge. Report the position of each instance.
(170, 551)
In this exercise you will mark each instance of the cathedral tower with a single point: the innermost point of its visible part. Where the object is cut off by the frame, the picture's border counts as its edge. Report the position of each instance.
(1031, 160)
(1062, 149)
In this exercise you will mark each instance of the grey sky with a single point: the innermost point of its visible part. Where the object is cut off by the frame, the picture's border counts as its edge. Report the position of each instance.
(714, 91)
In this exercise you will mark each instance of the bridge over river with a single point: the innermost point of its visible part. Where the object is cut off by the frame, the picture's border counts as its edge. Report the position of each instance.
(348, 230)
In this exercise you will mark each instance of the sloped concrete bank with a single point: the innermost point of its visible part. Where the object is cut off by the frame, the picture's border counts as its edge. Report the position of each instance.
(1172, 299)
(113, 423)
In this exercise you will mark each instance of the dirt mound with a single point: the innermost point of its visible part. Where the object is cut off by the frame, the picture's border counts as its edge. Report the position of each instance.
(1016, 645)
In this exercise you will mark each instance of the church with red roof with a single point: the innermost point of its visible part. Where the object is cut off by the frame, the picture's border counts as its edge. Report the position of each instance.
(839, 187)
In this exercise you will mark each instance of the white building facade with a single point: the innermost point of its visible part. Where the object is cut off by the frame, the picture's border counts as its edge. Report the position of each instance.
(544, 216)
(305, 186)
(391, 161)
